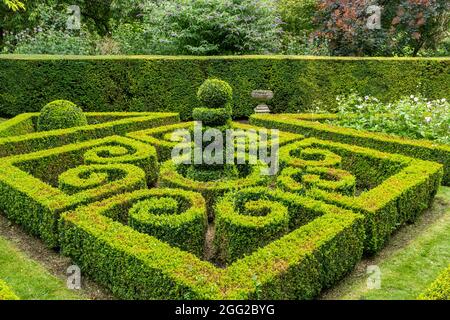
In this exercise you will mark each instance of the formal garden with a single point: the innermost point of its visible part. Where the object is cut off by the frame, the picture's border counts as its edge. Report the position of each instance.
(224, 150)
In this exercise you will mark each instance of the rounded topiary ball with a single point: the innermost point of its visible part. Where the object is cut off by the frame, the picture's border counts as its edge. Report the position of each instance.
(61, 114)
(215, 93)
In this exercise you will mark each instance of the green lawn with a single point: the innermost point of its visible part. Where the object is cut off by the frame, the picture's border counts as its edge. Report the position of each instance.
(415, 256)
(28, 279)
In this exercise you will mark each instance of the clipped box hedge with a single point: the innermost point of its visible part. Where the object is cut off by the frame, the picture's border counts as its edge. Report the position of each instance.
(36, 188)
(161, 137)
(159, 83)
(310, 126)
(396, 188)
(6, 293)
(19, 134)
(439, 289)
(138, 266)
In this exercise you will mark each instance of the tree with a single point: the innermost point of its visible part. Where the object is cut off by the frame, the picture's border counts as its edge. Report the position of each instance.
(407, 26)
(14, 5)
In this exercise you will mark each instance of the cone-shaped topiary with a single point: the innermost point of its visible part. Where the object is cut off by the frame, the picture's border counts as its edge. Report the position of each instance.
(60, 114)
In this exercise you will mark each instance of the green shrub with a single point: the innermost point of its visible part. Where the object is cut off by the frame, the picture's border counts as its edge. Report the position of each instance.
(212, 117)
(242, 228)
(60, 114)
(6, 293)
(215, 93)
(176, 217)
(299, 180)
(298, 15)
(175, 176)
(36, 188)
(137, 266)
(439, 289)
(309, 125)
(396, 189)
(412, 117)
(131, 83)
(103, 125)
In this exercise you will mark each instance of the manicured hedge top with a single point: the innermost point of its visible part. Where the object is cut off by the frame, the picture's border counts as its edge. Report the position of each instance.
(6, 293)
(439, 289)
(161, 83)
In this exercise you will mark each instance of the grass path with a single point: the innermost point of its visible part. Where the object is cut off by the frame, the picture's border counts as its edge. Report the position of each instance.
(28, 279)
(413, 259)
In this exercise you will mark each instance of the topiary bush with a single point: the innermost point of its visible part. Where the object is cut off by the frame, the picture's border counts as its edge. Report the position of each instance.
(61, 114)
(216, 96)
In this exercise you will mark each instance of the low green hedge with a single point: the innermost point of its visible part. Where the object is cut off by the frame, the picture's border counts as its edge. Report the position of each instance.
(396, 189)
(6, 293)
(174, 216)
(241, 228)
(158, 83)
(439, 289)
(160, 137)
(299, 180)
(177, 176)
(137, 266)
(19, 135)
(310, 126)
(36, 188)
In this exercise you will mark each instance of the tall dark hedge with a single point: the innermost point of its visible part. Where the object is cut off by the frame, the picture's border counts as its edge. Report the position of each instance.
(136, 83)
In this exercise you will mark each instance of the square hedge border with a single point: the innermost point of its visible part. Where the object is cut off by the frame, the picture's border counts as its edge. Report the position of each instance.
(310, 126)
(18, 135)
(37, 205)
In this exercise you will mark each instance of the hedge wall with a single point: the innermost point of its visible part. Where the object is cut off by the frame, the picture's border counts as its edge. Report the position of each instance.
(157, 83)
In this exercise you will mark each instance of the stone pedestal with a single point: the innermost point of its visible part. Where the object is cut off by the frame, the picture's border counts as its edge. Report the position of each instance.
(262, 96)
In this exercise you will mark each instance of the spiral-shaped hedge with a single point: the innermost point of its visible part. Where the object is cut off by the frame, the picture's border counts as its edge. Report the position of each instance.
(100, 178)
(177, 217)
(143, 156)
(299, 180)
(244, 225)
(302, 155)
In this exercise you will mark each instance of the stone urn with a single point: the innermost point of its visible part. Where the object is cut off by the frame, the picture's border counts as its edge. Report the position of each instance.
(262, 96)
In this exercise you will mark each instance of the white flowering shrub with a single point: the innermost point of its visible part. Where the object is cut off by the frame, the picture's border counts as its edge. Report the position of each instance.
(414, 116)
(203, 27)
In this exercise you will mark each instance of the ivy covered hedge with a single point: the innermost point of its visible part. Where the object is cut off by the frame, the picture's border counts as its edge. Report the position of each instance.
(310, 126)
(439, 289)
(152, 83)
(6, 293)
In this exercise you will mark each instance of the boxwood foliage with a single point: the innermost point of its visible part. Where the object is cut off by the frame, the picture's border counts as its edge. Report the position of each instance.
(395, 189)
(251, 218)
(311, 127)
(36, 188)
(61, 114)
(439, 289)
(138, 266)
(19, 135)
(299, 180)
(136, 83)
(177, 217)
(188, 177)
(163, 139)
(6, 293)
